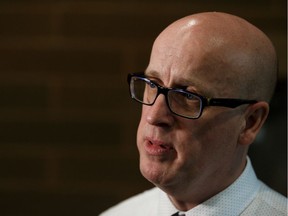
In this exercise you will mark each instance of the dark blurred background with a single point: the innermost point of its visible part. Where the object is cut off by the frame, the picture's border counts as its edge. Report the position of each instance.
(67, 124)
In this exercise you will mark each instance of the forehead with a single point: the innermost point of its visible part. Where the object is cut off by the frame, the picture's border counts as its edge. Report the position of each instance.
(188, 59)
(181, 79)
(178, 67)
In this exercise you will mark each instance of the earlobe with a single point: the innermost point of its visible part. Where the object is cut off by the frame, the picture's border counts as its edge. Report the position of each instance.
(255, 116)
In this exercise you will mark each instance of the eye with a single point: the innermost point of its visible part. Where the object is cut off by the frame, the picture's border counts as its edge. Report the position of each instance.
(151, 84)
(190, 96)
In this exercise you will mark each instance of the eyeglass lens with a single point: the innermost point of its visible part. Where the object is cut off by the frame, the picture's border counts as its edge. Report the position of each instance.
(180, 102)
(143, 91)
(184, 104)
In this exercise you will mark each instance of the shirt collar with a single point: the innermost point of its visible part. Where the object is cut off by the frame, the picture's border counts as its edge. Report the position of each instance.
(231, 201)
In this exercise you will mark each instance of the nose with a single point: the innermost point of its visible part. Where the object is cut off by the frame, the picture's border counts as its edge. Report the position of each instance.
(159, 113)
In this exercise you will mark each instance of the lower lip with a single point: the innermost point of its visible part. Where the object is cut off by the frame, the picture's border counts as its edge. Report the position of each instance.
(157, 150)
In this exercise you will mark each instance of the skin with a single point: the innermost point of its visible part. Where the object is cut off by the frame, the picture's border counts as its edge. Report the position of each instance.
(215, 55)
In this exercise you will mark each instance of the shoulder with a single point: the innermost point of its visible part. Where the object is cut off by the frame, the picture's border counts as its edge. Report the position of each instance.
(135, 203)
(267, 202)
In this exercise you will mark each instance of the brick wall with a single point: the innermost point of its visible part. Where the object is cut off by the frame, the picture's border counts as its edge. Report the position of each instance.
(67, 125)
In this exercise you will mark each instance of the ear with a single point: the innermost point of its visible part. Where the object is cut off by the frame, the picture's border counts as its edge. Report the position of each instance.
(255, 116)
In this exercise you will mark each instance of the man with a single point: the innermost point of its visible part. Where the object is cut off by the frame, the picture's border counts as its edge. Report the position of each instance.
(206, 94)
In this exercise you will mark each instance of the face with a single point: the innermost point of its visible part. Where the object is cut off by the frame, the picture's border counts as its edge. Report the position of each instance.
(177, 152)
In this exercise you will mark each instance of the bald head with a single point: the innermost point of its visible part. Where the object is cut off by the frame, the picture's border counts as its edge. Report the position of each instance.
(235, 57)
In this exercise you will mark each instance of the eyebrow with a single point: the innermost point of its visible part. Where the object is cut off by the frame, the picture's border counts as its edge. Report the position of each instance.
(198, 87)
(151, 73)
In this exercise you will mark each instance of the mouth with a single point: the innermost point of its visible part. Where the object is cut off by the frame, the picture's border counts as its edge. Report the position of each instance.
(158, 148)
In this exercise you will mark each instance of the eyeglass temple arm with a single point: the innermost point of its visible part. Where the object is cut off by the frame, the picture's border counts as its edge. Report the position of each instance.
(227, 102)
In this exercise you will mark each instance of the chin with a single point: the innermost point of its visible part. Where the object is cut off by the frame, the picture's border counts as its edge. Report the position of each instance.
(154, 171)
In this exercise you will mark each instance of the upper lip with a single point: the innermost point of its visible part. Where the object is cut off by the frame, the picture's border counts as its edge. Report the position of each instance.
(160, 143)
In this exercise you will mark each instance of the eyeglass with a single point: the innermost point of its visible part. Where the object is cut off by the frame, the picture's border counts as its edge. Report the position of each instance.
(180, 102)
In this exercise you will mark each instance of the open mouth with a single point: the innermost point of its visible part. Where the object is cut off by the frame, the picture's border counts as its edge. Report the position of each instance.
(158, 148)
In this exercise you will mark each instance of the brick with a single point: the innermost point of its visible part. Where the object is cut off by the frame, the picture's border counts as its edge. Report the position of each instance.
(23, 96)
(60, 61)
(21, 168)
(70, 51)
(269, 24)
(60, 133)
(104, 99)
(34, 203)
(75, 169)
(114, 26)
(17, 24)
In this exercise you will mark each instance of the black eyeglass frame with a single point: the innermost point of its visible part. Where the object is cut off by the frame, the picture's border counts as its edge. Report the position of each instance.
(223, 102)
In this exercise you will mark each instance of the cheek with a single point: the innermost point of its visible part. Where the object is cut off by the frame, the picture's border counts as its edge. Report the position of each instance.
(211, 137)
(140, 130)
(218, 139)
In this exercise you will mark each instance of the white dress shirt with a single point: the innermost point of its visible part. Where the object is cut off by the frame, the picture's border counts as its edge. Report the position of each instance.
(243, 195)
